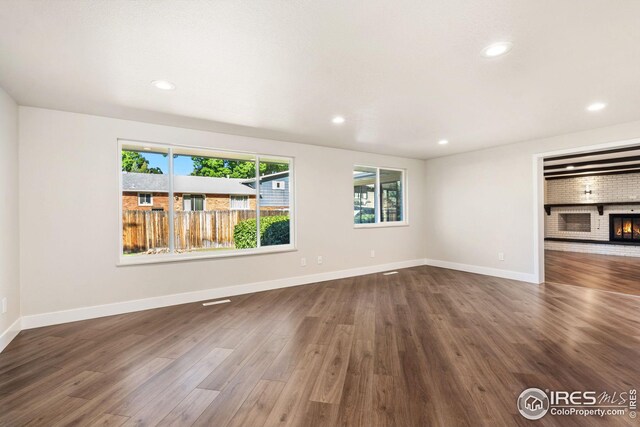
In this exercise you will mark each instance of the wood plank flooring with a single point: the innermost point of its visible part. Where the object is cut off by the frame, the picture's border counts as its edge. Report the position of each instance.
(604, 272)
(425, 347)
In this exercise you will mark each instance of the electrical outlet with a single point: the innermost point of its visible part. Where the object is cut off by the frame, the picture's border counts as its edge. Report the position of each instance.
(319, 259)
(4, 305)
(373, 253)
(303, 262)
(501, 256)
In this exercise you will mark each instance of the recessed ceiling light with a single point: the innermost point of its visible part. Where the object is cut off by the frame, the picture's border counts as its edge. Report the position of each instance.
(570, 167)
(147, 148)
(496, 49)
(443, 142)
(596, 106)
(163, 85)
(338, 120)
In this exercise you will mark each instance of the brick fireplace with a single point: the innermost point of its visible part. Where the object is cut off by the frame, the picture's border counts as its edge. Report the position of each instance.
(586, 218)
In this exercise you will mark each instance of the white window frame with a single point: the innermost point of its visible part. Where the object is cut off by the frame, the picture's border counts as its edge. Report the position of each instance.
(246, 199)
(405, 199)
(204, 201)
(124, 260)
(150, 199)
(275, 185)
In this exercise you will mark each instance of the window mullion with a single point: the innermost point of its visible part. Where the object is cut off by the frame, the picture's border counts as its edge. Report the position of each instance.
(378, 194)
(258, 243)
(171, 205)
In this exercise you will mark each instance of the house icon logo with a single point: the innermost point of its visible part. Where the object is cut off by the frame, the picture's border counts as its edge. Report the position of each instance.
(533, 403)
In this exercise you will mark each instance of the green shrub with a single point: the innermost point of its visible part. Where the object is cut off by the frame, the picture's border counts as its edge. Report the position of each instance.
(364, 218)
(274, 230)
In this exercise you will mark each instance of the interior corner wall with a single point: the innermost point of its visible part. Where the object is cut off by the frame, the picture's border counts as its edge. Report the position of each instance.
(9, 239)
(481, 203)
(69, 215)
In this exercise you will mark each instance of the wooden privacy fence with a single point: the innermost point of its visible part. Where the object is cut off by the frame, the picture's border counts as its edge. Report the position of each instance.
(148, 231)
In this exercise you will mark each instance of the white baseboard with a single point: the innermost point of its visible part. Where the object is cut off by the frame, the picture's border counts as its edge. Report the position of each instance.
(487, 271)
(8, 335)
(83, 313)
(57, 317)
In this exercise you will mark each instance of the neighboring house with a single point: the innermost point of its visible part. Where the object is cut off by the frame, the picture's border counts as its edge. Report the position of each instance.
(274, 190)
(141, 191)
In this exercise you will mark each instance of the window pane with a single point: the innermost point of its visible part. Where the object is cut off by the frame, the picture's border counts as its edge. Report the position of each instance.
(364, 195)
(204, 183)
(390, 196)
(197, 203)
(275, 226)
(239, 202)
(145, 201)
(186, 202)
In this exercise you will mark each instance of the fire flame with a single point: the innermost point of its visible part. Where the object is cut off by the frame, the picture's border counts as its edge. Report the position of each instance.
(627, 227)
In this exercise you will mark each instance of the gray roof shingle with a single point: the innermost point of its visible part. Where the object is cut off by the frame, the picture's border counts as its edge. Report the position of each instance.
(184, 184)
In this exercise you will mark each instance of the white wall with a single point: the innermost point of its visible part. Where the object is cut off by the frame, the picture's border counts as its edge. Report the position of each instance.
(69, 215)
(481, 203)
(9, 240)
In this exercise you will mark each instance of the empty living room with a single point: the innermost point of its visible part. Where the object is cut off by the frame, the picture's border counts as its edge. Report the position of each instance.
(365, 213)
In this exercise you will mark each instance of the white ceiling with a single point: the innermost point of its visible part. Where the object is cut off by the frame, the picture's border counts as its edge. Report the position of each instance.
(404, 73)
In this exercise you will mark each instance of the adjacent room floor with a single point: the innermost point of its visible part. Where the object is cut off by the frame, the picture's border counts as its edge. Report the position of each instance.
(604, 272)
(426, 346)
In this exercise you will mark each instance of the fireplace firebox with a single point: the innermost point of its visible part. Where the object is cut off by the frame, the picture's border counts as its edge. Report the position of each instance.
(624, 228)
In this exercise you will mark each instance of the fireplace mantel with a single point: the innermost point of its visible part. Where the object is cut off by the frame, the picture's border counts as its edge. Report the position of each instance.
(600, 206)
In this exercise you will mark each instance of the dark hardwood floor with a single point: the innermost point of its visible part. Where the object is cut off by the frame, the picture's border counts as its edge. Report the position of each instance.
(603, 272)
(425, 347)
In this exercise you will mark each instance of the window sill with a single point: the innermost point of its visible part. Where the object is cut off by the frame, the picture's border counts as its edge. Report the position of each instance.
(382, 225)
(165, 258)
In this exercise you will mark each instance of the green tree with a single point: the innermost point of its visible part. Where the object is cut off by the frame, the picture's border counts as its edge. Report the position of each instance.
(132, 161)
(221, 168)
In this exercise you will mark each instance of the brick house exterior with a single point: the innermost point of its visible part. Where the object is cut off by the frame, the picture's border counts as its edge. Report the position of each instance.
(148, 192)
(160, 201)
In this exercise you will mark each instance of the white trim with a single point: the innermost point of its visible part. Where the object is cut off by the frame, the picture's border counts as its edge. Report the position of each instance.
(11, 332)
(487, 271)
(150, 198)
(142, 259)
(538, 220)
(57, 317)
(171, 207)
(538, 195)
(381, 224)
(376, 202)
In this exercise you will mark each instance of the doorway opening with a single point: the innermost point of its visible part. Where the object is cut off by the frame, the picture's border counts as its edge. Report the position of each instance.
(589, 230)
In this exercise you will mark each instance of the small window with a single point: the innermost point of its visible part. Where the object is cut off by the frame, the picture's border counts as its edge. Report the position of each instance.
(378, 196)
(193, 202)
(277, 185)
(145, 199)
(239, 202)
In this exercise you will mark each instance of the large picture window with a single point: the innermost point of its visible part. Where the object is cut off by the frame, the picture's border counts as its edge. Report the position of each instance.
(378, 196)
(180, 203)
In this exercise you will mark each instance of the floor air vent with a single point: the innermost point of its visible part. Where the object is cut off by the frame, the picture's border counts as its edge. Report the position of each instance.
(221, 301)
